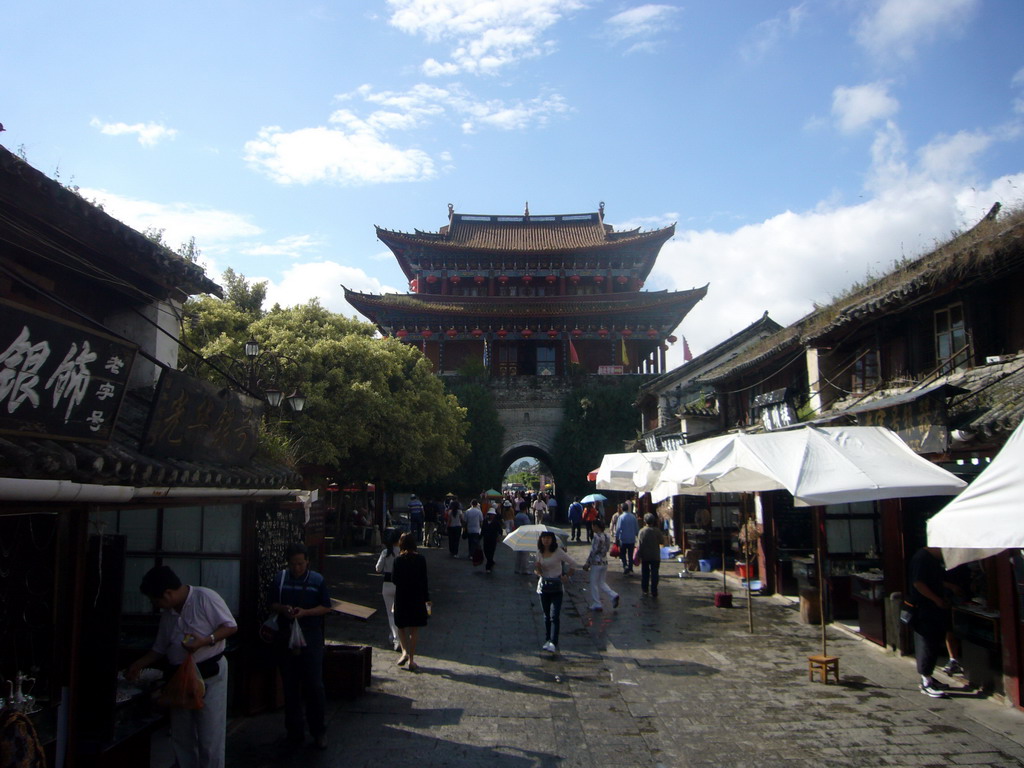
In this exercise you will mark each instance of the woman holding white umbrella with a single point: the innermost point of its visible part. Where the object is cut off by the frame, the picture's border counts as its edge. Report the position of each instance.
(552, 566)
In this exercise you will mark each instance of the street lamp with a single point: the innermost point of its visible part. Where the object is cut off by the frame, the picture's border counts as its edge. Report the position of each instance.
(258, 363)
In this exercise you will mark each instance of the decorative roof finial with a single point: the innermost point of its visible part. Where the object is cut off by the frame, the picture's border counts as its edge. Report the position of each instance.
(527, 208)
(600, 209)
(451, 210)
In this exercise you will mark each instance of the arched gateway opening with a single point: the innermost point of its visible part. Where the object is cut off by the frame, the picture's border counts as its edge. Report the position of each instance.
(545, 474)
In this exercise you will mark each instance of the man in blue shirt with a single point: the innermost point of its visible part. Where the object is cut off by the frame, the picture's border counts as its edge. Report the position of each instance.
(576, 518)
(300, 595)
(626, 530)
(416, 518)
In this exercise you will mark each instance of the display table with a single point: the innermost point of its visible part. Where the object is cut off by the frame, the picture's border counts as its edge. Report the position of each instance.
(977, 628)
(868, 591)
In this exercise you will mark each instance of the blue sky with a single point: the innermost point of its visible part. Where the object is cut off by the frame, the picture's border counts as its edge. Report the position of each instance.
(798, 146)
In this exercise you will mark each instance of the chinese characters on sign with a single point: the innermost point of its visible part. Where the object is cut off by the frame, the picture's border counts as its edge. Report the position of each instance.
(58, 379)
(195, 420)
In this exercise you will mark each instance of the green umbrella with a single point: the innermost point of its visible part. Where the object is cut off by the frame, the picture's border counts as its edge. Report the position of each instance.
(493, 494)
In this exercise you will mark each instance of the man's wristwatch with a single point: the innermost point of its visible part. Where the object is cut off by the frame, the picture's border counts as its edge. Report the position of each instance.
(213, 640)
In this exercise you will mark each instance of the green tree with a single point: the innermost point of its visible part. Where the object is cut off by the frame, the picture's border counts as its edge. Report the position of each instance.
(599, 418)
(245, 295)
(374, 410)
(481, 468)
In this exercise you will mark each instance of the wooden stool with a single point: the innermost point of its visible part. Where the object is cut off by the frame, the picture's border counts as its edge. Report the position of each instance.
(826, 664)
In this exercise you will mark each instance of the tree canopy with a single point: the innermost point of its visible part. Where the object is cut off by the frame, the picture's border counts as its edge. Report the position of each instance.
(374, 410)
(599, 418)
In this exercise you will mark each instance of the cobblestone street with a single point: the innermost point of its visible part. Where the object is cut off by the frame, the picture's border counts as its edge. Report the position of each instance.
(667, 682)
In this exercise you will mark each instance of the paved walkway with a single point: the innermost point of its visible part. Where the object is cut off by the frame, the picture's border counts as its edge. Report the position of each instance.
(674, 682)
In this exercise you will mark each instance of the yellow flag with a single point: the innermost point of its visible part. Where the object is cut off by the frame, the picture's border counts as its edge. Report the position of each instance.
(625, 354)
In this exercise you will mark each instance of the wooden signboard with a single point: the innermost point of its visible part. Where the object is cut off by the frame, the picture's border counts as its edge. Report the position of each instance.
(352, 609)
(198, 421)
(59, 380)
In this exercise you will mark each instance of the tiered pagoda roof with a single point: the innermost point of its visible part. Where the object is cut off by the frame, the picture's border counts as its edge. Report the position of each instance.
(563, 241)
(663, 310)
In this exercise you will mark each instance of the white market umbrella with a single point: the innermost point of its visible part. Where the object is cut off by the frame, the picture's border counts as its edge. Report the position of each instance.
(616, 471)
(987, 517)
(524, 538)
(817, 465)
(647, 475)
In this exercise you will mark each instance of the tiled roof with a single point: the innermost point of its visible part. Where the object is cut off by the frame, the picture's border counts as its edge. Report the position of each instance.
(986, 400)
(527, 234)
(27, 195)
(510, 309)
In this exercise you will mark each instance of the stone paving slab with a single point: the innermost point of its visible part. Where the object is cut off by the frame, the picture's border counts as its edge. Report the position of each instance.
(672, 682)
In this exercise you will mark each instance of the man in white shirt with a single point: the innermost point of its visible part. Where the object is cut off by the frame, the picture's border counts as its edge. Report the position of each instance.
(193, 620)
(474, 524)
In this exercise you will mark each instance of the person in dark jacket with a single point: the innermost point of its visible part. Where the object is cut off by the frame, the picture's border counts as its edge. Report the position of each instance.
(412, 598)
(931, 618)
(648, 550)
(489, 532)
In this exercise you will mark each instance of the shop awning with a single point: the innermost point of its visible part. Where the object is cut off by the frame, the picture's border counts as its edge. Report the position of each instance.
(987, 517)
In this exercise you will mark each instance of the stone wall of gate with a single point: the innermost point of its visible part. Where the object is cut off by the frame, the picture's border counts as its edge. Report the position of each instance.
(530, 410)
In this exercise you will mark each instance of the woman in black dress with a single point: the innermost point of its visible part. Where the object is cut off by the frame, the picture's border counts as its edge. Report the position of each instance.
(412, 597)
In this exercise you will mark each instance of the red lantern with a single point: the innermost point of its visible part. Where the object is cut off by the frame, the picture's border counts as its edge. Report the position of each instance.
(414, 285)
(626, 332)
(527, 279)
(652, 333)
(599, 279)
(479, 279)
(603, 333)
(527, 333)
(552, 333)
(477, 333)
(672, 339)
(574, 279)
(502, 333)
(452, 333)
(639, 284)
(551, 279)
(427, 333)
(576, 332)
(621, 279)
(431, 279)
(402, 333)
(455, 279)
(503, 280)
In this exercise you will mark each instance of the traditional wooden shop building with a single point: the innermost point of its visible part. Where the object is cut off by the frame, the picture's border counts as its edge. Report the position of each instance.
(935, 352)
(531, 295)
(111, 462)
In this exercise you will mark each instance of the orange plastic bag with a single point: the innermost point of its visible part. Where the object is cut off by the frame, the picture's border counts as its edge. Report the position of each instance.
(185, 689)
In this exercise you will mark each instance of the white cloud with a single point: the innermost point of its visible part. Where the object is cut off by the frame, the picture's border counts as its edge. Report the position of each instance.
(291, 247)
(321, 154)
(792, 260)
(179, 221)
(148, 134)
(322, 280)
(487, 35)
(769, 34)
(643, 21)
(356, 149)
(897, 27)
(860, 105)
